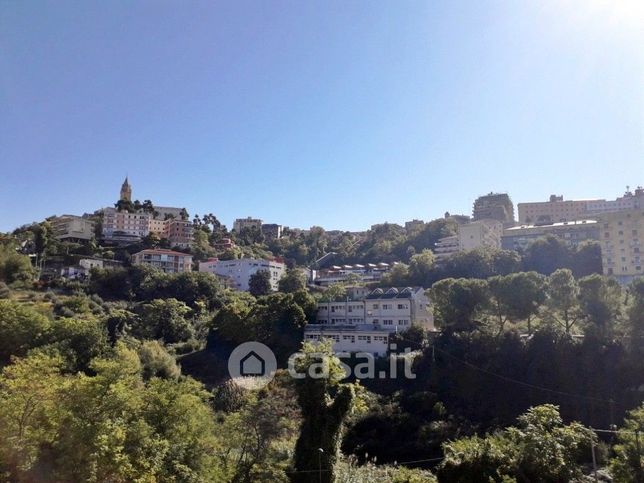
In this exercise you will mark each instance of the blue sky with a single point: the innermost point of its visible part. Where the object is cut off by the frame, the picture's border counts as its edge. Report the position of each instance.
(334, 113)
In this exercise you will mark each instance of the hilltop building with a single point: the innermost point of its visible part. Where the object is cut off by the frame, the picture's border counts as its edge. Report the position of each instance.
(518, 238)
(126, 191)
(622, 241)
(556, 209)
(251, 223)
(470, 236)
(494, 206)
(72, 228)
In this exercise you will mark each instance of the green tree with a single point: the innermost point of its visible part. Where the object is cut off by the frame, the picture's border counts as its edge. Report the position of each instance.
(628, 464)
(164, 319)
(546, 255)
(562, 290)
(21, 328)
(635, 325)
(156, 361)
(459, 303)
(259, 283)
(293, 280)
(420, 268)
(14, 267)
(600, 301)
(323, 414)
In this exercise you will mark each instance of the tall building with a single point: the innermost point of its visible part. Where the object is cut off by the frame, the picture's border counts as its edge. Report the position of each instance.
(125, 227)
(240, 223)
(494, 206)
(168, 261)
(364, 323)
(272, 230)
(72, 228)
(126, 191)
(622, 241)
(239, 271)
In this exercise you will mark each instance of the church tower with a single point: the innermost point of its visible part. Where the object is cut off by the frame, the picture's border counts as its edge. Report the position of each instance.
(126, 191)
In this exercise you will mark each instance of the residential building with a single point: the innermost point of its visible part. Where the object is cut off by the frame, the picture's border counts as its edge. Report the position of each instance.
(446, 247)
(82, 269)
(125, 226)
(240, 270)
(168, 261)
(470, 236)
(178, 232)
(622, 241)
(481, 233)
(556, 209)
(224, 244)
(572, 232)
(363, 323)
(272, 230)
(72, 228)
(252, 223)
(494, 206)
(358, 273)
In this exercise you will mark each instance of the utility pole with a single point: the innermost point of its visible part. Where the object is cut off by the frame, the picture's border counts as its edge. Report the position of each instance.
(638, 462)
(592, 449)
(320, 451)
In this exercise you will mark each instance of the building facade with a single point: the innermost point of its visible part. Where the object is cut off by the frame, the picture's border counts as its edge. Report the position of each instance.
(518, 238)
(168, 261)
(494, 206)
(478, 234)
(72, 228)
(358, 273)
(622, 241)
(363, 323)
(272, 230)
(123, 225)
(240, 270)
(252, 223)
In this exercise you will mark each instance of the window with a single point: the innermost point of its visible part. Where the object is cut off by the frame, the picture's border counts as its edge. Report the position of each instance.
(374, 306)
(403, 306)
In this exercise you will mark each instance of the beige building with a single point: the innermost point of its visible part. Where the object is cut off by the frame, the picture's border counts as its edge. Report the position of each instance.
(168, 261)
(622, 240)
(240, 223)
(178, 232)
(72, 228)
(477, 234)
(557, 210)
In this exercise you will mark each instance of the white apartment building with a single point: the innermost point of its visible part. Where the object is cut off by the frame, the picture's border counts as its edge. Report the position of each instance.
(168, 261)
(477, 234)
(72, 227)
(240, 270)
(367, 273)
(364, 324)
(482, 233)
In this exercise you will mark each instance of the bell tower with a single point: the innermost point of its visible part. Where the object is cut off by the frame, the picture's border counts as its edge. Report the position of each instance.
(126, 191)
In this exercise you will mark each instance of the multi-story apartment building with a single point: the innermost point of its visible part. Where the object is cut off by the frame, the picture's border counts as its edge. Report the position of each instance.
(363, 323)
(367, 273)
(272, 230)
(178, 232)
(556, 209)
(446, 247)
(481, 233)
(494, 206)
(240, 223)
(168, 261)
(125, 226)
(72, 228)
(622, 241)
(572, 232)
(477, 234)
(240, 270)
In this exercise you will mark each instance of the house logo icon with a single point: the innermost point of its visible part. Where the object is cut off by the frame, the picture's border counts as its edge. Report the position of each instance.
(252, 365)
